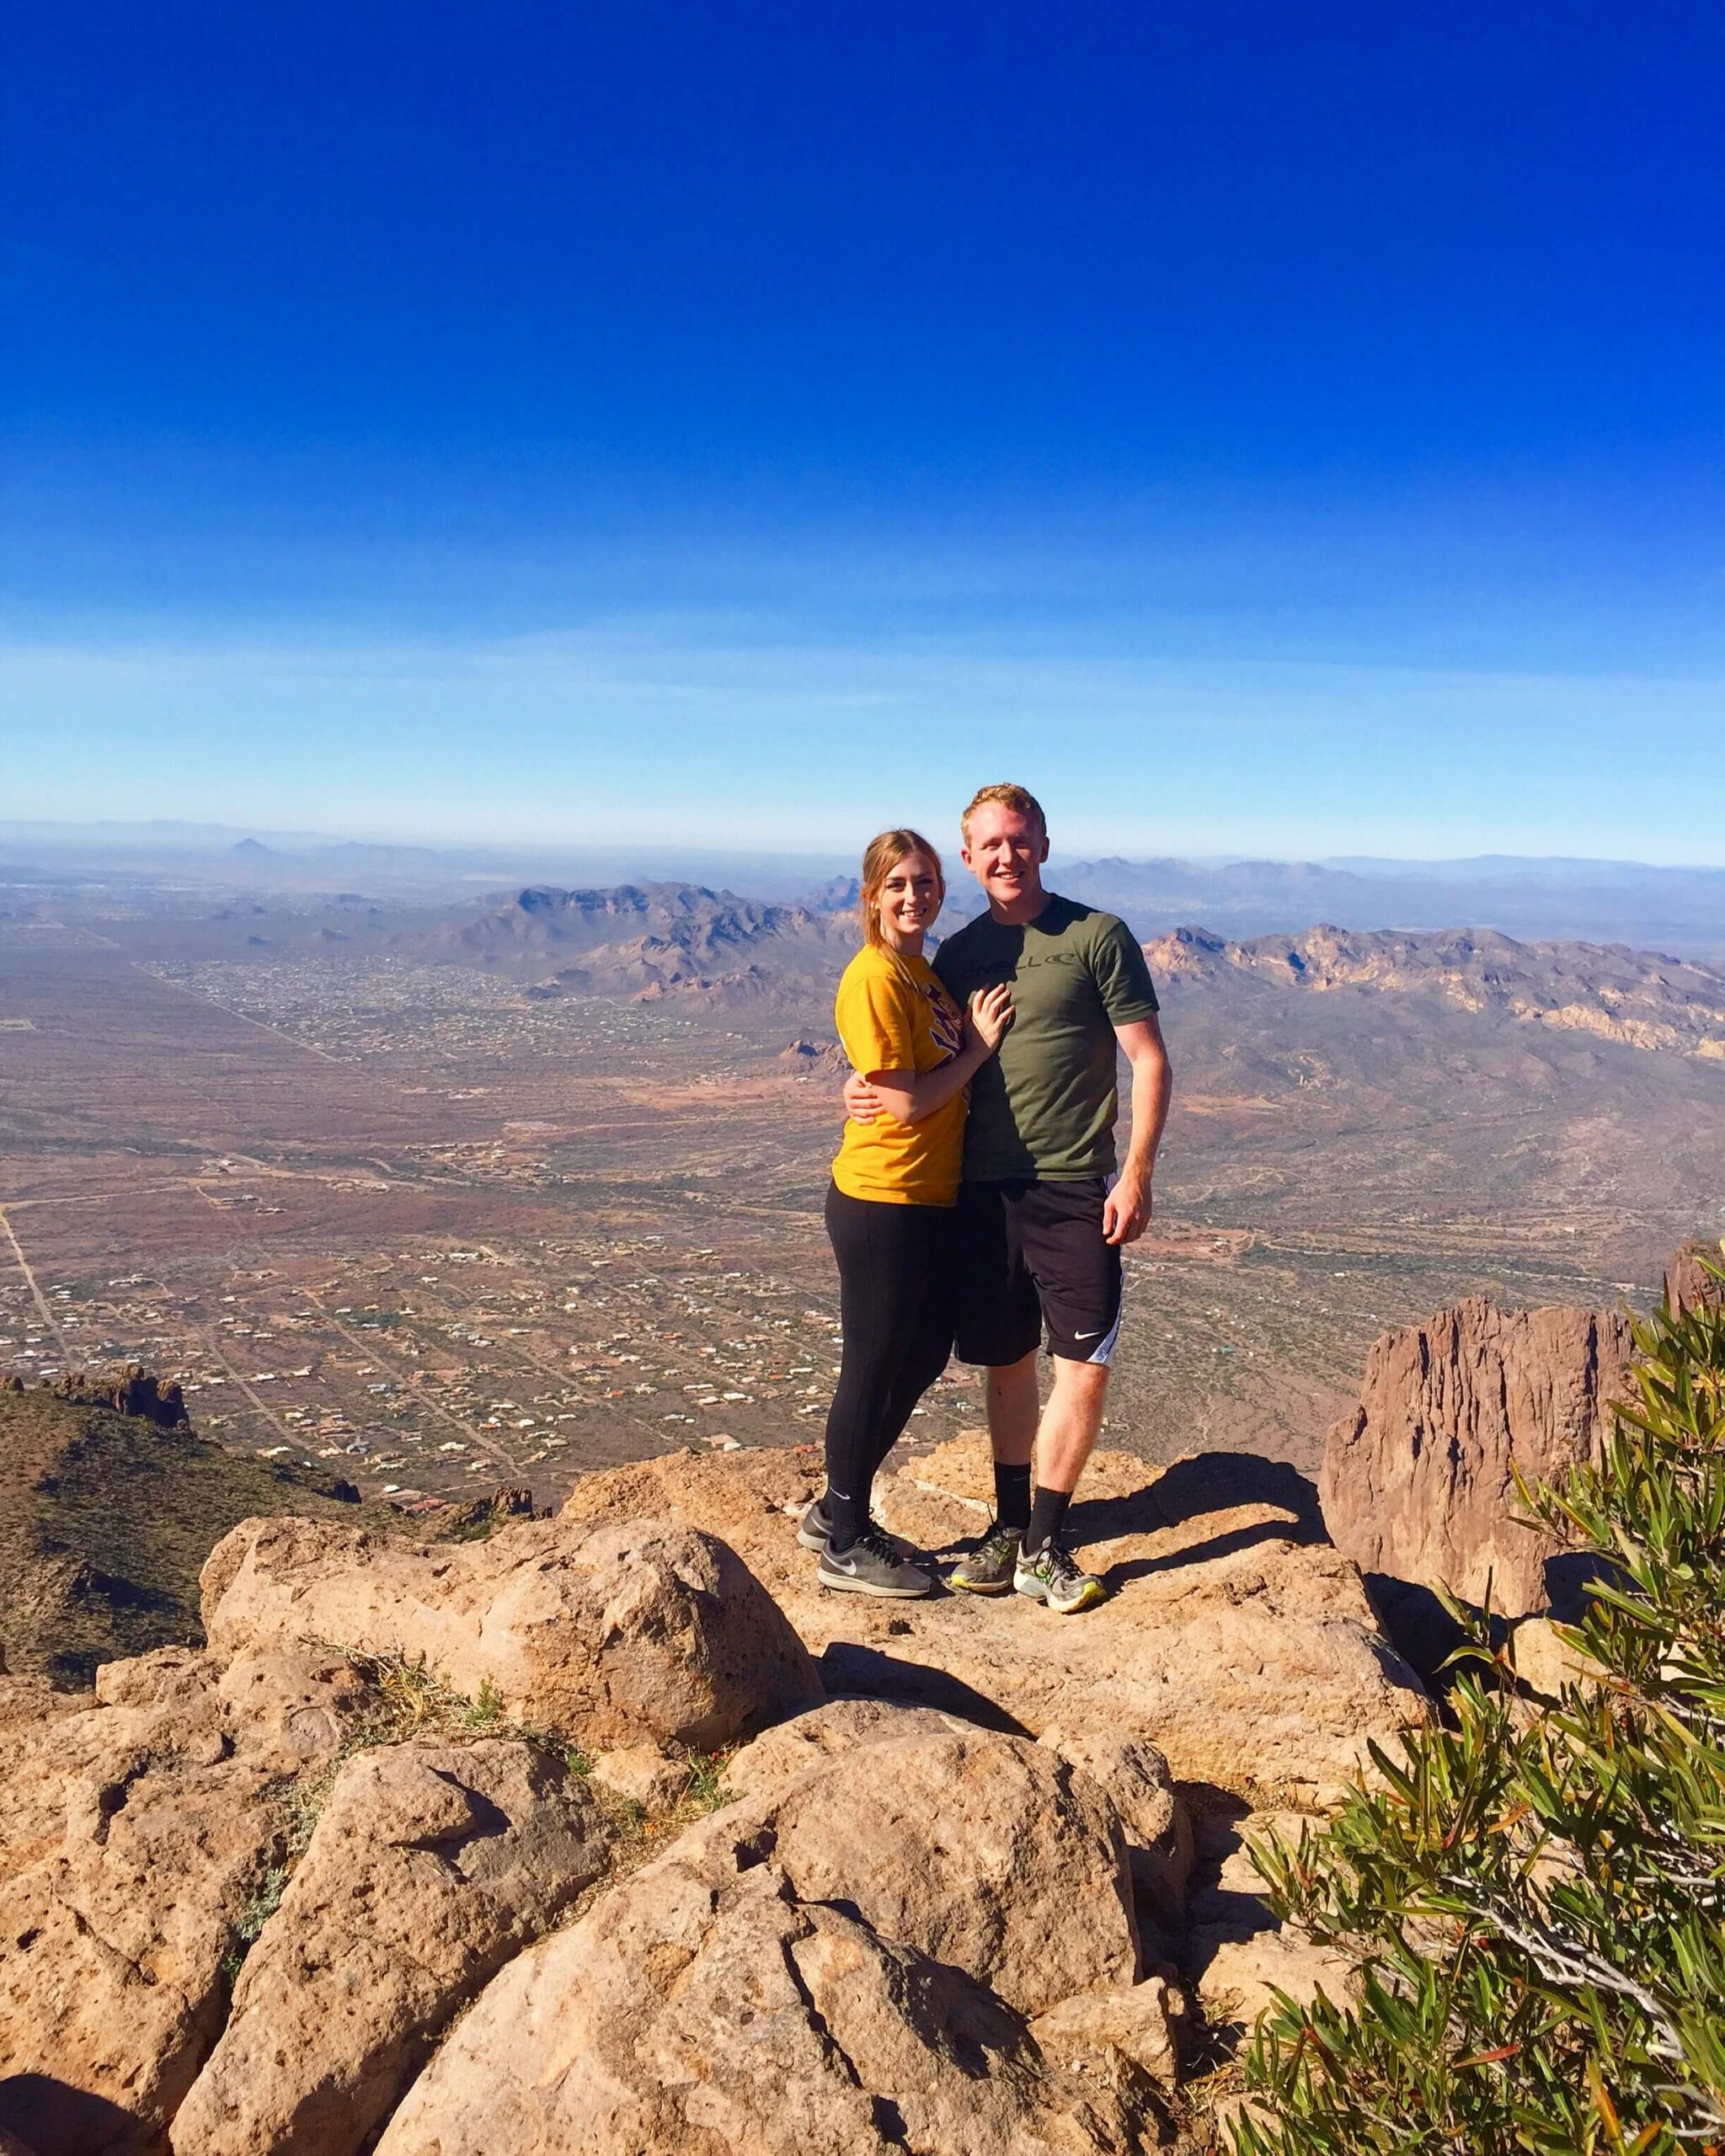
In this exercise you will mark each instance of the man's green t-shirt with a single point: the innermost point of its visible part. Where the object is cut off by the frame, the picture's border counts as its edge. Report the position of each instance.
(1045, 1106)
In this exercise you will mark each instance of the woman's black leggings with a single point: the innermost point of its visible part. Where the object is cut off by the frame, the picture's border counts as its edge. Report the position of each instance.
(896, 1304)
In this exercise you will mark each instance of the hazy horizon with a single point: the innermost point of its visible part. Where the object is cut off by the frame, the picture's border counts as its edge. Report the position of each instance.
(219, 838)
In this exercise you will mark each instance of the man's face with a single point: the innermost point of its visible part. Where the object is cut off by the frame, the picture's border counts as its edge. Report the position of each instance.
(1004, 851)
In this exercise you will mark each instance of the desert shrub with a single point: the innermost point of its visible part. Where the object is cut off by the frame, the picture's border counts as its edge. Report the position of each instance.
(1536, 1900)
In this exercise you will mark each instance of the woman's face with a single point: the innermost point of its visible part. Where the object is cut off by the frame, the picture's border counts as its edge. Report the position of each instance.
(910, 898)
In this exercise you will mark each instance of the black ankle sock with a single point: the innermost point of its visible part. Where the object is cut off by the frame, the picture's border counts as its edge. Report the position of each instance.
(1011, 1495)
(846, 1518)
(1046, 1517)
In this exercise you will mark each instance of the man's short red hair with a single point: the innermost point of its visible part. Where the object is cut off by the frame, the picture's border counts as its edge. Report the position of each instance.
(1018, 798)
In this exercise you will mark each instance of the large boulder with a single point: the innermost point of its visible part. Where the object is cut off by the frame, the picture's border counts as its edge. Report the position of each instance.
(137, 1836)
(1134, 1776)
(1128, 1770)
(429, 1867)
(846, 1962)
(617, 1633)
(1235, 1639)
(1418, 1485)
(780, 1754)
(987, 1852)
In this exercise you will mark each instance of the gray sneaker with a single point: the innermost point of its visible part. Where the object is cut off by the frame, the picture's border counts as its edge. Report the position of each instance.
(872, 1565)
(816, 1531)
(989, 1568)
(1052, 1576)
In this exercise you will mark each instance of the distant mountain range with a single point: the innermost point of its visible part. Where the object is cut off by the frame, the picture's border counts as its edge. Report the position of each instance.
(1653, 908)
(652, 941)
(1634, 998)
(646, 941)
(1681, 910)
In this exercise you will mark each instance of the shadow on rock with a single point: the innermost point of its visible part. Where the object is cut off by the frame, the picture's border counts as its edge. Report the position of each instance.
(1212, 1482)
(1424, 1634)
(1218, 1481)
(1570, 1578)
(54, 2119)
(1419, 1628)
(848, 1666)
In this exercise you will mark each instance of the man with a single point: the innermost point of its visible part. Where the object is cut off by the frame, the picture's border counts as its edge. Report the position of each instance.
(1042, 1215)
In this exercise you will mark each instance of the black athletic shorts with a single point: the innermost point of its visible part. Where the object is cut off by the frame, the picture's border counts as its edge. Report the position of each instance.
(1028, 1253)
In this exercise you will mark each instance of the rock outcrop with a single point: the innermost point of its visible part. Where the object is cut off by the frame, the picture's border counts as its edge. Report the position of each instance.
(430, 1866)
(634, 1630)
(814, 1059)
(135, 1833)
(1692, 1280)
(1238, 1643)
(1417, 1485)
(107, 1506)
(850, 1961)
(308, 1891)
(129, 1390)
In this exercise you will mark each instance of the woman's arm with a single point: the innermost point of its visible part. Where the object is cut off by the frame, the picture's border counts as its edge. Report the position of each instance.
(910, 1096)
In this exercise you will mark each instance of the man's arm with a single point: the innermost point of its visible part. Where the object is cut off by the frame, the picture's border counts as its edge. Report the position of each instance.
(1125, 1212)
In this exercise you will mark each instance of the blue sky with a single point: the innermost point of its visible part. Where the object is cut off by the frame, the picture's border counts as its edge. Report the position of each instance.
(1273, 429)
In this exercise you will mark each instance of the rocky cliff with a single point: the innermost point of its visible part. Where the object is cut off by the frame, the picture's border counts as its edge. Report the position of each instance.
(455, 1845)
(614, 1832)
(1418, 1482)
(1695, 1276)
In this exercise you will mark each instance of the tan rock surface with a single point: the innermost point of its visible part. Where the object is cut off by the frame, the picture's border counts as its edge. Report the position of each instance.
(779, 1755)
(133, 1834)
(1545, 1661)
(814, 1971)
(634, 1629)
(1128, 1770)
(1241, 1644)
(1092, 2029)
(984, 1851)
(1135, 1777)
(1416, 1481)
(1235, 1950)
(643, 1773)
(429, 1867)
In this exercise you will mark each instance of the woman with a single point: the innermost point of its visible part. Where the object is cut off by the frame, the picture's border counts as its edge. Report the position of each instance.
(890, 1207)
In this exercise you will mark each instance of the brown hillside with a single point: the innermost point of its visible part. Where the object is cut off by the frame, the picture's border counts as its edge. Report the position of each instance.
(106, 1518)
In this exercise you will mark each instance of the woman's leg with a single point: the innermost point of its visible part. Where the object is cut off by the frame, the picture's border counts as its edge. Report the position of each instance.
(929, 1337)
(882, 1276)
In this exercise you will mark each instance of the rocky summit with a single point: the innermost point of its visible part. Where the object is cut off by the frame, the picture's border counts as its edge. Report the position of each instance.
(612, 1833)
(1237, 1639)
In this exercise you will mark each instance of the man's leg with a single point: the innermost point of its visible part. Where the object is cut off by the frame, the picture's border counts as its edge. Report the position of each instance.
(1078, 1276)
(1066, 1435)
(998, 1325)
(1013, 1408)
(1064, 1441)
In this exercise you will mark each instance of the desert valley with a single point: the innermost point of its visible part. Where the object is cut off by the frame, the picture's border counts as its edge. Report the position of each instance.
(434, 1193)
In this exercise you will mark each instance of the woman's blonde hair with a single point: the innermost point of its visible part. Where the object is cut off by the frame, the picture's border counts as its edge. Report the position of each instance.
(880, 857)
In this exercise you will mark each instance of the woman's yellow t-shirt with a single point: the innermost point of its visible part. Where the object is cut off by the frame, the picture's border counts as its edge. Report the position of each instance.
(894, 1015)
